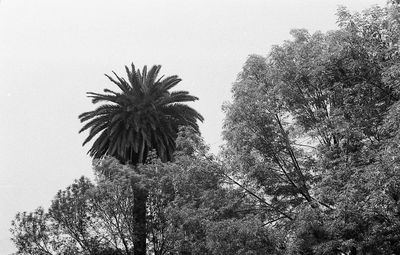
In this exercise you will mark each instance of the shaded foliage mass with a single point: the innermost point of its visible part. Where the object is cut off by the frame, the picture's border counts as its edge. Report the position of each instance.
(310, 163)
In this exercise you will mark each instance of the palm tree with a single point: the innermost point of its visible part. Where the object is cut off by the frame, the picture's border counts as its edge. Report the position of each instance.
(143, 116)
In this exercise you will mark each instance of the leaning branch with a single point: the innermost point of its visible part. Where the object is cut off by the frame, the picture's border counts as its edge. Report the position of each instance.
(253, 194)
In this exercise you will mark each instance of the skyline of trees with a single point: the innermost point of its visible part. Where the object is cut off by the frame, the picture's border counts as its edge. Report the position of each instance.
(310, 163)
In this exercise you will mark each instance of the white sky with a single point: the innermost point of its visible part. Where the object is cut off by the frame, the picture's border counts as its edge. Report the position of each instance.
(53, 51)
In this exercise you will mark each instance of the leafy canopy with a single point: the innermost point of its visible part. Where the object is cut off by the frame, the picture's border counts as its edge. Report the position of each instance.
(143, 116)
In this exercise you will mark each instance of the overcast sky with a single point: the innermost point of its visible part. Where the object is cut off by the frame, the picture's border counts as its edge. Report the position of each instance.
(53, 51)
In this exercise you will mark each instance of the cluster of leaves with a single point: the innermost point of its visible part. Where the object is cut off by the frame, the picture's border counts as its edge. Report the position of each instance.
(319, 140)
(191, 209)
(310, 166)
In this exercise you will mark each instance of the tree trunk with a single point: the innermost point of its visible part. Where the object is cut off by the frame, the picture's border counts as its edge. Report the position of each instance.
(139, 217)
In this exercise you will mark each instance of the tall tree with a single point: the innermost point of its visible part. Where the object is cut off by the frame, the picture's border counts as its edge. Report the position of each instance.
(332, 90)
(143, 116)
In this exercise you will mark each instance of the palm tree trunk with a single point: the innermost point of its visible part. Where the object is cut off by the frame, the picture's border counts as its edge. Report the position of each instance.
(139, 217)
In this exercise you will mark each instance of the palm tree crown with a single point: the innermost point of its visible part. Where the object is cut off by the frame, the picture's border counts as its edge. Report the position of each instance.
(142, 117)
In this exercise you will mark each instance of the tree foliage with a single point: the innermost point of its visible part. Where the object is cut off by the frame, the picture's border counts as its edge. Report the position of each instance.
(144, 116)
(310, 164)
(188, 204)
(328, 101)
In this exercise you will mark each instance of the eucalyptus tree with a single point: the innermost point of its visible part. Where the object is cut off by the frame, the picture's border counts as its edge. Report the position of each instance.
(143, 116)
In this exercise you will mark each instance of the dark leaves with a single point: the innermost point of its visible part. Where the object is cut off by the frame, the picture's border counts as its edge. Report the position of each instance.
(144, 116)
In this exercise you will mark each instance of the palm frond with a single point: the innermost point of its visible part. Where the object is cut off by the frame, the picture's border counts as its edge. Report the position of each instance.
(169, 82)
(94, 122)
(184, 110)
(122, 86)
(184, 115)
(96, 97)
(144, 78)
(152, 76)
(143, 116)
(111, 92)
(177, 97)
(94, 131)
(100, 146)
(135, 81)
(101, 110)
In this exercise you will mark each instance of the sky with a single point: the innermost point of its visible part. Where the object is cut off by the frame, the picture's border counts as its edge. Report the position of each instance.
(53, 51)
